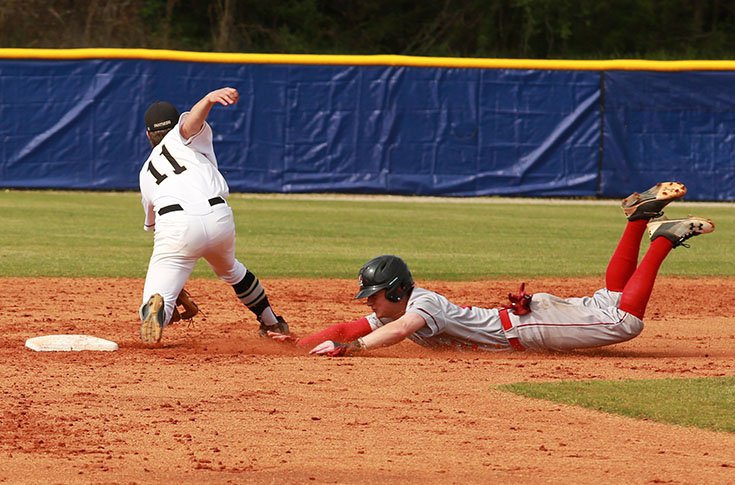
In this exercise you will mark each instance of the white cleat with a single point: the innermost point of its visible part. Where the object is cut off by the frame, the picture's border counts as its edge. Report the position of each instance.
(649, 204)
(679, 230)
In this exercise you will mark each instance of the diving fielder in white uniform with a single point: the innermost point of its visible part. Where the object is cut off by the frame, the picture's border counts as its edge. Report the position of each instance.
(540, 322)
(184, 199)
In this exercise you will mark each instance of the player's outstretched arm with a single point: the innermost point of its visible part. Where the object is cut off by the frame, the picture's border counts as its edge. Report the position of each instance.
(199, 112)
(389, 334)
(342, 332)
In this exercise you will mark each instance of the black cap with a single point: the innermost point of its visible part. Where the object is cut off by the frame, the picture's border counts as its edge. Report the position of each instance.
(161, 115)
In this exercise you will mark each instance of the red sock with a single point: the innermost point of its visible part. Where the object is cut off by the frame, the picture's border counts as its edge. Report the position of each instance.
(625, 258)
(638, 289)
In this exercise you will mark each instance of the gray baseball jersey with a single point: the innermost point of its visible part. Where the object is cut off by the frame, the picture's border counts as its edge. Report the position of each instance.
(449, 325)
(553, 324)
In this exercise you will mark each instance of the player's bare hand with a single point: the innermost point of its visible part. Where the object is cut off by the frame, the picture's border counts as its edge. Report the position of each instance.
(323, 348)
(224, 96)
(279, 337)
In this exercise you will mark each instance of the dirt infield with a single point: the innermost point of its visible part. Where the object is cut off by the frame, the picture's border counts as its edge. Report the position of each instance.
(216, 404)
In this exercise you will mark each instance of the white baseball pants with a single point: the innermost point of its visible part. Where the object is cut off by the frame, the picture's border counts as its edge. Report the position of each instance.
(180, 240)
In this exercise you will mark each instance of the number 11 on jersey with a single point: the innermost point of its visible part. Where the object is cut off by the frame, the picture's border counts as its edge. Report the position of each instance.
(158, 175)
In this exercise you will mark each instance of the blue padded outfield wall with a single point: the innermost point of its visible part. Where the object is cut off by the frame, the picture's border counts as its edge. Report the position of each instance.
(673, 126)
(375, 124)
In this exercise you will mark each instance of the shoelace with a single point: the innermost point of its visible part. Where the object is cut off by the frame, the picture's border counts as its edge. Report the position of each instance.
(692, 233)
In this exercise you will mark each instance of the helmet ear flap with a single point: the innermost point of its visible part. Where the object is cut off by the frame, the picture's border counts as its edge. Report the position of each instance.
(396, 291)
(393, 289)
(393, 295)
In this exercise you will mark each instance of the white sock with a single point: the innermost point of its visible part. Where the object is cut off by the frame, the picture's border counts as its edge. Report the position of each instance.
(268, 317)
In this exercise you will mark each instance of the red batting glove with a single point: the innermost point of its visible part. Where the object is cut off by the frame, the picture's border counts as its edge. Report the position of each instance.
(520, 304)
(339, 350)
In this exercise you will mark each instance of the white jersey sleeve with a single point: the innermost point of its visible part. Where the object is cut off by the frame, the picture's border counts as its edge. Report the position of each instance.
(200, 142)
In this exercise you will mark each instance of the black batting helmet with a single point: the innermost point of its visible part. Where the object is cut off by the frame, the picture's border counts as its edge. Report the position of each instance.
(386, 272)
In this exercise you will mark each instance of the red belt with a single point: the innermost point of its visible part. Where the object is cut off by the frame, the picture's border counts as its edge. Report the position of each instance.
(505, 320)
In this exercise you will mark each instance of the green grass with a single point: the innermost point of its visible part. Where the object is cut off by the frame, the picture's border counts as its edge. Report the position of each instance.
(51, 233)
(704, 403)
(99, 234)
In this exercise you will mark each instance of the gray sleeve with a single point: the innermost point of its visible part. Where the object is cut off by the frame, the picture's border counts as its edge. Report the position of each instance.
(429, 308)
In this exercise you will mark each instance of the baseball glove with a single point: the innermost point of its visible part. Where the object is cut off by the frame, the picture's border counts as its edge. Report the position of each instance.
(189, 309)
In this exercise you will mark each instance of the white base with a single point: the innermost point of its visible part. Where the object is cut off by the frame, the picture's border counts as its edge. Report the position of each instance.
(69, 342)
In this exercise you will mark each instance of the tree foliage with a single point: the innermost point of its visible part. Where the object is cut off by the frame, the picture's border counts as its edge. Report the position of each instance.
(540, 29)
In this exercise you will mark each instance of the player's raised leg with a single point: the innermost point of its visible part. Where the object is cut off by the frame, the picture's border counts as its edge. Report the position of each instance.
(639, 208)
(666, 234)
